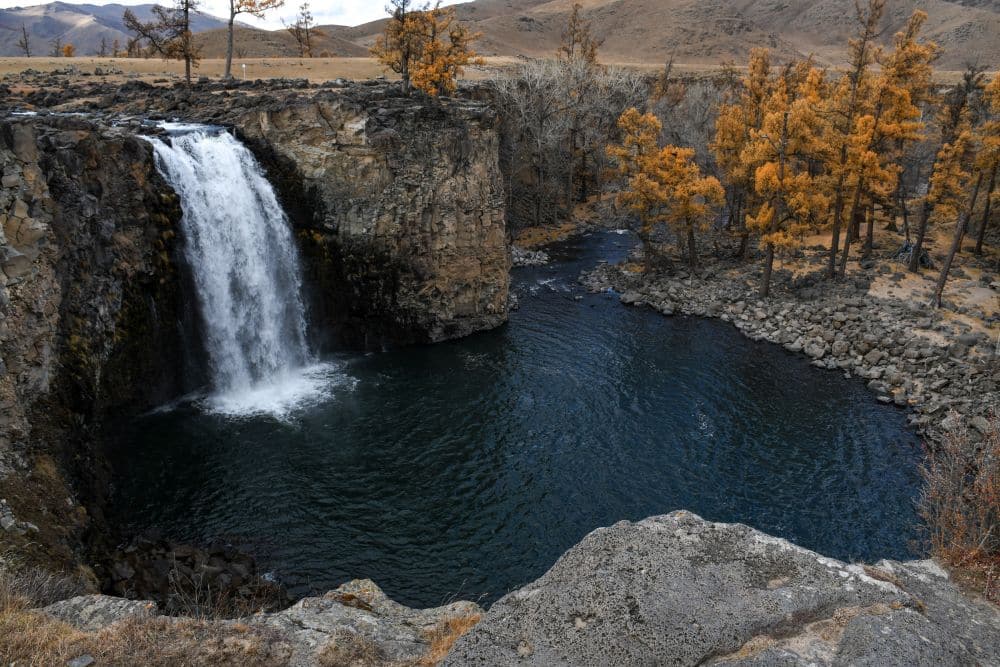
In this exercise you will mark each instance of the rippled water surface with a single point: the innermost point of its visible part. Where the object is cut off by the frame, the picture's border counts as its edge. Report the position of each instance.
(466, 468)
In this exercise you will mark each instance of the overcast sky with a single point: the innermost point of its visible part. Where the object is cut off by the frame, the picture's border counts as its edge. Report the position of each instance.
(342, 12)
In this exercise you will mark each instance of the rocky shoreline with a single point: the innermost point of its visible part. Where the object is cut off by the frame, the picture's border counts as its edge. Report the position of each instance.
(909, 354)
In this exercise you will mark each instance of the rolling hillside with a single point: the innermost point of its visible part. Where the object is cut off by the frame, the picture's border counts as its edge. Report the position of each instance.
(634, 31)
(711, 31)
(81, 25)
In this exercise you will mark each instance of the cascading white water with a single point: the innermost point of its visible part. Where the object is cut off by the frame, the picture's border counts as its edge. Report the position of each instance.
(245, 269)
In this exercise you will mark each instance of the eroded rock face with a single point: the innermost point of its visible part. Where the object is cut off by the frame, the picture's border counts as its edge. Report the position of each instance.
(677, 589)
(400, 209)
(89, 306)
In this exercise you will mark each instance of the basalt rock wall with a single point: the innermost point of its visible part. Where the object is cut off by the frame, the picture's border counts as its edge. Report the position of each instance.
(90, 303)
(400, 209)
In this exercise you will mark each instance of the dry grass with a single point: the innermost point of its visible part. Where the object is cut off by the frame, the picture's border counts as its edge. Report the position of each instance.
(30, 638)
(960, 504)
(444, 636)
(349, 649)
(535, 237)
(315, 69)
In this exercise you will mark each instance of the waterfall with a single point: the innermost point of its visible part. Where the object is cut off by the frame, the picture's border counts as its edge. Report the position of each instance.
(245, 269)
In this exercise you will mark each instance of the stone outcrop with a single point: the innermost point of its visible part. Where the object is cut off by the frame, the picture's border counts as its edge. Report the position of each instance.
(89, 305)
(677, 589)
(91, 613)
(354, 624)
(400, 208)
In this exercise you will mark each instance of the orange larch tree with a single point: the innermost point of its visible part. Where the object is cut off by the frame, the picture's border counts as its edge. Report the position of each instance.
(953, 120)
(892, 120)
(664, 185)
(989, 156)
(735, 123)
(847, 103)
(444, 52)
(426, 46)
(791, 139)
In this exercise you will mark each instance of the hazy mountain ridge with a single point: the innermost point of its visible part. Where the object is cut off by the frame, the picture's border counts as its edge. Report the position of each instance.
(81, 25)
(639, 31)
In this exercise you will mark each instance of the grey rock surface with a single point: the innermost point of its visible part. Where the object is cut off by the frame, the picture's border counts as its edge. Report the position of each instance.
(356, 614)
(677, 589)
(94, 612)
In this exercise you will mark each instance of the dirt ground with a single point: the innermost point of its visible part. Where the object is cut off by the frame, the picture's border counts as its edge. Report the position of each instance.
(315, 69)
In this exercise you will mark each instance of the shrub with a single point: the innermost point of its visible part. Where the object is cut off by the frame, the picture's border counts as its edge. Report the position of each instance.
(960, 503)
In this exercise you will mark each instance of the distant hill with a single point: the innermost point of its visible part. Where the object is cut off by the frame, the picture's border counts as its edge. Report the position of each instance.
(80, 25)
(255, 43)
(712, 31)
(634, 31)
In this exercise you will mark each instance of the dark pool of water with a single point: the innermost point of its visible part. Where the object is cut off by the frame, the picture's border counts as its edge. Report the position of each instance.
(465, 469)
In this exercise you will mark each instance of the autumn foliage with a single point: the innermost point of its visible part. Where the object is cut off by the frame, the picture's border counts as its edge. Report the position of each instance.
(664, 185)
(426, 46)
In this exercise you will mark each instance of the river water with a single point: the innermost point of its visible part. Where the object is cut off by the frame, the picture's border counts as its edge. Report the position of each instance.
(464, 469)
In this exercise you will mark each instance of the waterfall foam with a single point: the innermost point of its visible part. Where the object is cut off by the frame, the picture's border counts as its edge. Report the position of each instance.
(246, 274)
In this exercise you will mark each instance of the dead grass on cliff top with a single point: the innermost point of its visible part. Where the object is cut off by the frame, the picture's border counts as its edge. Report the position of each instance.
(30, 638)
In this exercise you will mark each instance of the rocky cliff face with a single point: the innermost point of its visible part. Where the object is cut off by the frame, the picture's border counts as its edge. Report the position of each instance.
(89, 304)
(677, 589)
(400, 209)
(672, 589)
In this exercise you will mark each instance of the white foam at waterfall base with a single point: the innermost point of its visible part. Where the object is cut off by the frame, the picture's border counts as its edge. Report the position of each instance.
(245, 269)
(281, 397)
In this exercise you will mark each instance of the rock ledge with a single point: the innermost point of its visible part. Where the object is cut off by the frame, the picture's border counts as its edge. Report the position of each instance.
(677, 589)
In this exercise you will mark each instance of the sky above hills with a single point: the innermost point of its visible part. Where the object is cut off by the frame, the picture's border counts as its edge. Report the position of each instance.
(339, 12)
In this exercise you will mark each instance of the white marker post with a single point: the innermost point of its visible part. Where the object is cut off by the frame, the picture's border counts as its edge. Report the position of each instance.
(244, 71)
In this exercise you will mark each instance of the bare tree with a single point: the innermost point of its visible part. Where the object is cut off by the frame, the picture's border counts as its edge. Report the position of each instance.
(255, 8)
(102, 50)
(168, 35)
(57, 46)
(303, 29)
(24, 43)
(542, 115)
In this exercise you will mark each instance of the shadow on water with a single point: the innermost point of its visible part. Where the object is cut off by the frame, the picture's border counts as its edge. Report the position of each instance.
(465, 469)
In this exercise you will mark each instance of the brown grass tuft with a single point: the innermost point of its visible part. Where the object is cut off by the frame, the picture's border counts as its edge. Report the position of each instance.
(444, 636)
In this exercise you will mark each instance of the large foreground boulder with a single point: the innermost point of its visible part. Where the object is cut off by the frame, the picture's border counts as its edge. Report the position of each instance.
(679, 590)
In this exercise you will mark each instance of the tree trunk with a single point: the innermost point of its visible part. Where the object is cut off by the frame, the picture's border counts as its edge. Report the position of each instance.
(228, 73)
(925, 212)
(838, 210)
(187, 43)
(918, 245)
(870, 232)
(765, 282)
(692, 248)
(956, 241)
(986, 212)
(852, 229)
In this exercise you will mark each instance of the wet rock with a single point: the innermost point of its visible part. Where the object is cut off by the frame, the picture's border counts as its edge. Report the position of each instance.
(400, 207)
(523, 257)
(676, 589)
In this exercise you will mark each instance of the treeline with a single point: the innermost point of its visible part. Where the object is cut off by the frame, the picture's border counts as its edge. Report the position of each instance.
(772, 155)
